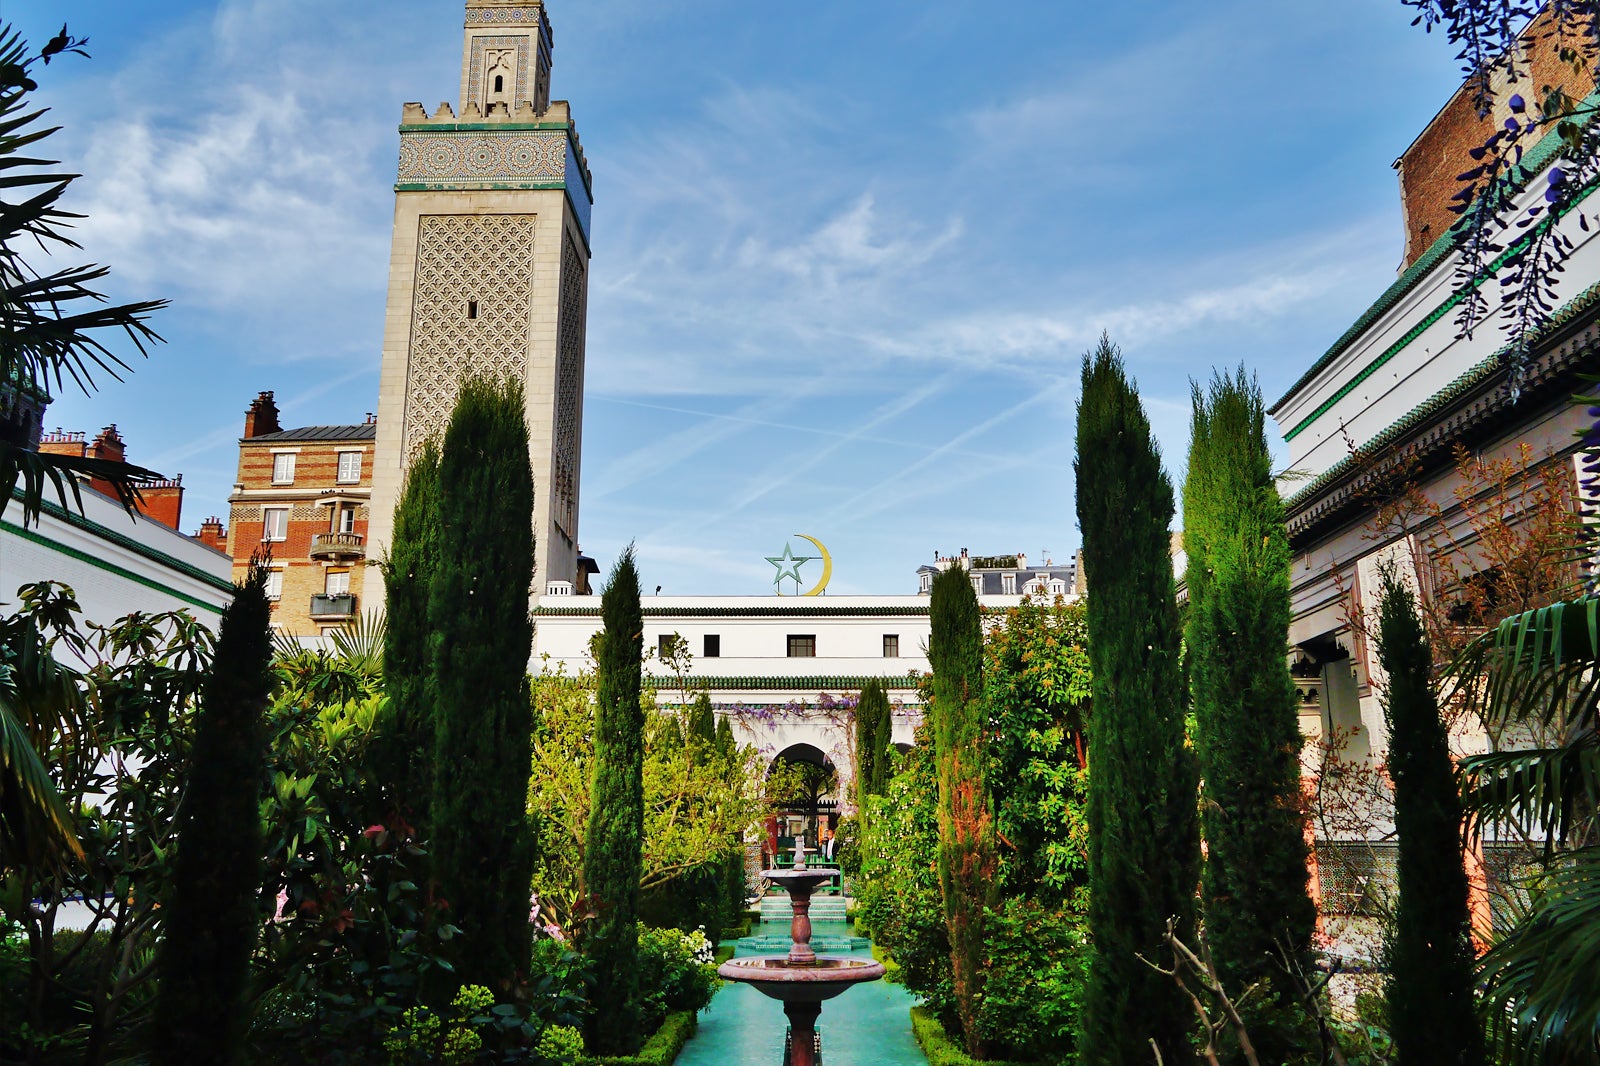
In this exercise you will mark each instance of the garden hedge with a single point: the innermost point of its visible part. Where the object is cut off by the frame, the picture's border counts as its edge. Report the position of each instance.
(662, 1048)
(937, 1045)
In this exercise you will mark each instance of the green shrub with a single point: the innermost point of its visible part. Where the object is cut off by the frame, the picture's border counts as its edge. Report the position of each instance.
(1038, 961)
(561, 1045)
(937, 1045)
(662, 1048)
(677, 972)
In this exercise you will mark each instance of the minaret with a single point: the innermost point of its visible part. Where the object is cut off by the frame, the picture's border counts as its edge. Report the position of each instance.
(489, 269)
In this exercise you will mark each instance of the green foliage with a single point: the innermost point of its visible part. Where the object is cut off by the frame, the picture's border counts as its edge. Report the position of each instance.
(1037, 687)
(676, 973)
(1429, 988)
(405, 756)
(662, 1047)
(561, 1045)
(898, 895)
(966, 816)
(701, 726)
(1143, 845)
(1246, 712)
(615, 836)
(874, 741)
(938, 1046)
(481, 639)
(725, 742)
(1033, 989)
(203, 966)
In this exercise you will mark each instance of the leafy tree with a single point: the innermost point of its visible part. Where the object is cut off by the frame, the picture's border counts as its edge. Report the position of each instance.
(611, 856)
(874, 735)
(482, 637)
(966, 813)
(407, 748)
(1143, 846)
(701, 726)
(1257, 911)
(1037, 685)
(1429, 985)
(725, 742)
(54, 327)
(203, 965)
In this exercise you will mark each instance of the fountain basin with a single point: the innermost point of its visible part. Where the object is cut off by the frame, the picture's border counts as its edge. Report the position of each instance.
(789, 982)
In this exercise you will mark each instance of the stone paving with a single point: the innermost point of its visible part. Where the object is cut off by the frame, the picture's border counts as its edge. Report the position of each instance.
(870, 1025)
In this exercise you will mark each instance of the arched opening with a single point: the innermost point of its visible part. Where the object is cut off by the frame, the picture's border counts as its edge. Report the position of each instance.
(803, 786)
(499, 84)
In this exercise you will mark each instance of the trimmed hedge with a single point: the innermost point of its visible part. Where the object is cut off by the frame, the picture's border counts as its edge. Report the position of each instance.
(937, 1045)
(662, 1048)
(738, 931)
(724, 953)
(753, 915)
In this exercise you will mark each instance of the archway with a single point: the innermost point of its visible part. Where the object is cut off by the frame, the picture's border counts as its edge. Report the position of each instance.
(804, 786)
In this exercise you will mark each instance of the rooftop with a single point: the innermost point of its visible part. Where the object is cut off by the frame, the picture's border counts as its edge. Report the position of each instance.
(369, 431)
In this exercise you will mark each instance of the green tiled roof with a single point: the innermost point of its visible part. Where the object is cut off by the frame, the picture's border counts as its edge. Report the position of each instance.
(1533, 162)
(1424, 412)
(797, 611)
(768, 681)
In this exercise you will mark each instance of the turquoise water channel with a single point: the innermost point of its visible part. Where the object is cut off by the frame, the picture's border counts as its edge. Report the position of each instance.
(869, 1025)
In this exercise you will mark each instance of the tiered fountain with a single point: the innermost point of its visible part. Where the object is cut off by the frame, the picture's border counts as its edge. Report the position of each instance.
(802, 979)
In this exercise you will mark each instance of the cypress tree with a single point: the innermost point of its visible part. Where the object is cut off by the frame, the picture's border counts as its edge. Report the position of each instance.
(873, 724)
(407, 738)
(1246, 714)
(203, 966)
(611, 858)
(482, 636)
(725, 742)
(1143, 844)
(966, 815)
(702, 722)
(1429, 988)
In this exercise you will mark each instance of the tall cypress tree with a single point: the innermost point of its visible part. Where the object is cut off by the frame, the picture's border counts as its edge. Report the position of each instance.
(701, 726)
(407, 737)
(611, 858)
(1143, 844)
(1246, 714)
(203, 966)
(873, 725)
(966, 814)
(482, 636)
(1429, 985)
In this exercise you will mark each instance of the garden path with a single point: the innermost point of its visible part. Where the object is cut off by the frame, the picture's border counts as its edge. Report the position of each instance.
(870, 1025)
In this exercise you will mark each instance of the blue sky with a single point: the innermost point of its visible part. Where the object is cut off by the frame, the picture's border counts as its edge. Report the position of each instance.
(847, 256)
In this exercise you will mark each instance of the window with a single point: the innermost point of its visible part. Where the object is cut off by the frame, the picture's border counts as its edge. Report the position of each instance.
(499, 83)
(666, 644)
(283, 468)
(803, 646)
(338, 583)
(347, 519)
(275, 523)
(713, 646)
(1008, 584)
(977, 584)
(274, 585)
(349, 467)
(927, 582)
(891, 645)
(472, 308)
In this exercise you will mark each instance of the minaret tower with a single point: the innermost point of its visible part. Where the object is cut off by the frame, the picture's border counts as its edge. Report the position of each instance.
(489, 271)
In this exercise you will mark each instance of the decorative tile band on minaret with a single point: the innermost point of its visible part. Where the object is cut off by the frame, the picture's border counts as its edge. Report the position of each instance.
(489, 269)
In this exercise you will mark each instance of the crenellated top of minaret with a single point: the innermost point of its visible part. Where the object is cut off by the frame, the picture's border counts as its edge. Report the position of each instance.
(505, 55)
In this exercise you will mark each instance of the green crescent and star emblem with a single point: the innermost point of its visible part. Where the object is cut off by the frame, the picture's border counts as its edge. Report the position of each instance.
(788, 565)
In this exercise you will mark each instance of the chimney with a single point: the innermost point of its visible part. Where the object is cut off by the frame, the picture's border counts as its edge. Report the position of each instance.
(1022, 560)
(262, 417)
(59, 442)
(108, 445)
(212, 534)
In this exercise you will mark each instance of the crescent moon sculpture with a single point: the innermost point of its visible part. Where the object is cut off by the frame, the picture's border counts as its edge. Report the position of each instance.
(827, 567)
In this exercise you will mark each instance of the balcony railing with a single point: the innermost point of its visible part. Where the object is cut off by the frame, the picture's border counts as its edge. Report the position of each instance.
(333, 606)
(338, 546)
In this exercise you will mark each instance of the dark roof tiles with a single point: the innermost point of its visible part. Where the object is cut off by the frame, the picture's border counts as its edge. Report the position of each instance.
(369, 431)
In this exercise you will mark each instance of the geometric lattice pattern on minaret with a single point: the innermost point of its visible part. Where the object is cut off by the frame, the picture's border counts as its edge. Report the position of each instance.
(473, 284)
(569, 383)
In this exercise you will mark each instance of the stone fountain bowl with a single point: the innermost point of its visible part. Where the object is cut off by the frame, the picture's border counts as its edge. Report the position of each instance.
(803, 878)
(812, 982)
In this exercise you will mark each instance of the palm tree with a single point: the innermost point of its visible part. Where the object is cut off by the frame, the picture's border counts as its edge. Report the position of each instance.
(54, 328)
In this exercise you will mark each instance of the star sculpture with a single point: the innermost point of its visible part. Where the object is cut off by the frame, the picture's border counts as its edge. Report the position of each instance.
(788, 564)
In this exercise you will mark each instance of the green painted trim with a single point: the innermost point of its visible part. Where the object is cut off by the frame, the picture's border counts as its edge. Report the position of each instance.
(111, 568)
(1433, 316)
(122, 540)
(745, 612)
(1426, 410)
(481, 186)
(465, 127)
(839, 683)
(1533, 162)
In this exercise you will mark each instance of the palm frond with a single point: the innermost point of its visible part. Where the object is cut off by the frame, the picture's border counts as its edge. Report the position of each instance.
(360, 643)
(1541, 982)
(1557, 789)
(27, 475)
(32, 815)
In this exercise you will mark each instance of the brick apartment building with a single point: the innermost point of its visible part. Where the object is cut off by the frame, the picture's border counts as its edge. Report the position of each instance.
(160, 501)
(304, 494)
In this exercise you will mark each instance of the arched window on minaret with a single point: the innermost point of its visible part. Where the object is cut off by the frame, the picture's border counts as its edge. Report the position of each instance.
(499, 84)
(499, 76)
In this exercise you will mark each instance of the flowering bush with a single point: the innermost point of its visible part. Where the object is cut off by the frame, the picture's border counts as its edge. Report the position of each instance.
(676, 973)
